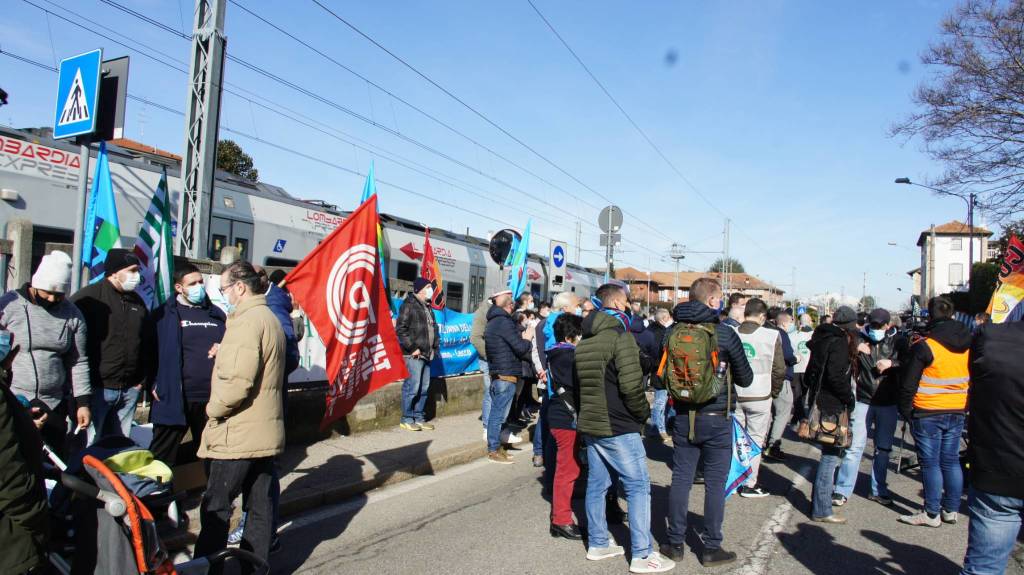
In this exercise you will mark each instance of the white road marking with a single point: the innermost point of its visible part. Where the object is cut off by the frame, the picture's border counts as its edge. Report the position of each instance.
(378, 495)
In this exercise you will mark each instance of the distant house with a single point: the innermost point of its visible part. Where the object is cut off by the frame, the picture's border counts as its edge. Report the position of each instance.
(662, 284)
(944, 261)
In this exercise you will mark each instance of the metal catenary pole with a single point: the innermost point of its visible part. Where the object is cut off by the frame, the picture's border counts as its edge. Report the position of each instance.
(83, 191)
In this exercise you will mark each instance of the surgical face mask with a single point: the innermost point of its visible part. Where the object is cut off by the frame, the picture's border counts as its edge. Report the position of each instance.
(229, 307)
(5, 344)
(876, 335)
(195, 294)
(791, 328)
(130, 282)
(578, 311)
(429, 293)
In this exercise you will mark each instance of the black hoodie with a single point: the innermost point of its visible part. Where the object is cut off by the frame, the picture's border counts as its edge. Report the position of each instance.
(730, 349)
(952, 335)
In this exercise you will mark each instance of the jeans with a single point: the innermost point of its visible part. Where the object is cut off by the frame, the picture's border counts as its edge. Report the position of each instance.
(782, 411)
(883, 418)
(938, 450)
(486, 408)
(228, 478)
(824, 481)
(755, 416)
(567, 471)
(502, 393)
(995, 523)
(712, 441)
(540, 431)
(658, 410)
(415, 389)
(113, 412)
(625, 455)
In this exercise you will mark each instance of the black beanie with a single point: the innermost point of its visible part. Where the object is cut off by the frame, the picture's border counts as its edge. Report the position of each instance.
(118, 259)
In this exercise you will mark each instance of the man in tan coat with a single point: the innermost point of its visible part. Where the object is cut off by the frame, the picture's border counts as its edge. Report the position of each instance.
(246, 424)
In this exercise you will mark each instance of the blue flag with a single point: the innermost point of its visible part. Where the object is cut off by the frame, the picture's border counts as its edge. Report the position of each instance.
(744, 450)
(102, 232)
(518, 278)
(370, 189)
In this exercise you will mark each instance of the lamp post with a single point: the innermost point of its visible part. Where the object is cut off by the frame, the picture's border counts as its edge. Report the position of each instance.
(971, 200)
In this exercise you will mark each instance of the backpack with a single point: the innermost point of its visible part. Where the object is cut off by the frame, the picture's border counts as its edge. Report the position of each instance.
(689, 364)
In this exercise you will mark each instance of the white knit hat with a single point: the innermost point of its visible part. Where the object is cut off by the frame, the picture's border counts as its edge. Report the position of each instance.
(54, 273)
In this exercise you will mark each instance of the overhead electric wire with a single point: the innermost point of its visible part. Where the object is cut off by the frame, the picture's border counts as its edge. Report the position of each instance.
(482, 116)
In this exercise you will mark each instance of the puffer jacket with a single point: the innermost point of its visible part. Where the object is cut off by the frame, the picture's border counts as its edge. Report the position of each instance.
(122, 336)
(506, 348)
(875, 387)
(730, 350)
(612, 398)
(649, 350)
(24, 516)
(830, 367)
(246, 407)
(952, 335)
(416, 329)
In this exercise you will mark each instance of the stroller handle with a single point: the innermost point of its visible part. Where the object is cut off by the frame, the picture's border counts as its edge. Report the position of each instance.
(112, 502)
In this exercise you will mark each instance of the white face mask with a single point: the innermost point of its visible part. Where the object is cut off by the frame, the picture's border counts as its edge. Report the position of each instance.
(130, 282)
(429, 293)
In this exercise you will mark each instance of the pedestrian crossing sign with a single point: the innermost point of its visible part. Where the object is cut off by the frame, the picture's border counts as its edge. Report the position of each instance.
(78, 88)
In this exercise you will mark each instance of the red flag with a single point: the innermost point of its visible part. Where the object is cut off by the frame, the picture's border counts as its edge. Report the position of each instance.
(1013, 259)
(432, 273)
(340, 288)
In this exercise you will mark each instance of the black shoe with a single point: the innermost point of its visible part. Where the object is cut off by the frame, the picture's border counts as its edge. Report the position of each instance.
(698, 478)
(715, 557)
(775, 452)
(673, 552)
(570, 531)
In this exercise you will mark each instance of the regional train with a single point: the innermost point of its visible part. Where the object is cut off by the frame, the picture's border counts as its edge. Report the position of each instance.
(268, 226)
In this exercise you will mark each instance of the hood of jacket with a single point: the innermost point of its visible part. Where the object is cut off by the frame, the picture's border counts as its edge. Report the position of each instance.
(496, 311)
(598, 322)
(953, 335)
(694, 312)
(637, 325)
(825, 332)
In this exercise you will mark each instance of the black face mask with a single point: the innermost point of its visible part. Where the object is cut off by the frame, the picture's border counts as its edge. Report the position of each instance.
(46, 304)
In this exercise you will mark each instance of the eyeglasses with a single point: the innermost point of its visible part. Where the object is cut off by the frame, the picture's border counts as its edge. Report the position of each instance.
(227, 287)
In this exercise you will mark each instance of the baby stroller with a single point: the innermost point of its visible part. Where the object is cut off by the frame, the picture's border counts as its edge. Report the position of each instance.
(114, 531)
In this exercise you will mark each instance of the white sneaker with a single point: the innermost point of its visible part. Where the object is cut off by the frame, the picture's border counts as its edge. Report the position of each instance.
(485, 435)
(949, 517)
(510, 437)
(653, 563)
(921, 519)
(599, 553)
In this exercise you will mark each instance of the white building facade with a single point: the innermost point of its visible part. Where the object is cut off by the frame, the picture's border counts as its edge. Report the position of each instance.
(945, 257)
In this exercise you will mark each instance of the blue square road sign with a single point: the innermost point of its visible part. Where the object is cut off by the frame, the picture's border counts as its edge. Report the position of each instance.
(78, 89)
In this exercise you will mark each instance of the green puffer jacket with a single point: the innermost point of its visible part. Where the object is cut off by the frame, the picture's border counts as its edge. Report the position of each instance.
(612, 399)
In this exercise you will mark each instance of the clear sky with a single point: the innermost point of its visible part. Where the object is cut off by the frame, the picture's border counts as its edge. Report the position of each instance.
(776, 111)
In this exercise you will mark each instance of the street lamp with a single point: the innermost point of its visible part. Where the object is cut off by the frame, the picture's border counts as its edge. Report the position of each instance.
(971, 200)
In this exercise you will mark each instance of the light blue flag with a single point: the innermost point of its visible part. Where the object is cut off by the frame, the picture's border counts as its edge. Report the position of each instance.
(518, 278)
(744, 450)
(102, 232)
(370, 187)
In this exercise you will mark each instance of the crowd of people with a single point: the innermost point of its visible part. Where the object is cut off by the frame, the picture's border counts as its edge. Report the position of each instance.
(88, 358)
(593, 376)
(607, 376)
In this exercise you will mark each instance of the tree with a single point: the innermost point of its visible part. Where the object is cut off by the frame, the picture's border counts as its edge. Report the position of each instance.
(735, 266)
(971, 109)
(231, 158)
(867, 303)
(983, 284)
(1015, 228)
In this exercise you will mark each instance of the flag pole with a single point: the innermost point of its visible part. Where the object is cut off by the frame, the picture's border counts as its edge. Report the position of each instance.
(83, 192)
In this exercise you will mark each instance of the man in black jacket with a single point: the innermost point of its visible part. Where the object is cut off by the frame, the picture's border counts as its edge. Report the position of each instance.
(507, 348)
(712, 433)
(121, 342)
(421, 341)
(995, 425)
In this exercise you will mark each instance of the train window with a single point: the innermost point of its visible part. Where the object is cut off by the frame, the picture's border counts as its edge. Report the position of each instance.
(279, 262)
(408, 271)
(243, 247)
(453, 295)
(217, 243)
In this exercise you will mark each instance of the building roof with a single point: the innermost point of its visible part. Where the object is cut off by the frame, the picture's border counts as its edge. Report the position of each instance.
(668, 279)
(143, 148)
(954, 228)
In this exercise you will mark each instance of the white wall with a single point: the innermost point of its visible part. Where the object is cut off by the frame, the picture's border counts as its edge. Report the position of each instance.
(948, 261)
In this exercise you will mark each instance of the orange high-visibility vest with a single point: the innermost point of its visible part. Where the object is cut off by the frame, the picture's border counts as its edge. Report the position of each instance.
(944, 383)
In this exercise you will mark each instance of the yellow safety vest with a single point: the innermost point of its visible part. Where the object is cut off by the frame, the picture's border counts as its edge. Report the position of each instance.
(944, 383)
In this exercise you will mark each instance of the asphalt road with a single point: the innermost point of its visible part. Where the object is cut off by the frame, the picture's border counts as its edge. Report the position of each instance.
(487, 518)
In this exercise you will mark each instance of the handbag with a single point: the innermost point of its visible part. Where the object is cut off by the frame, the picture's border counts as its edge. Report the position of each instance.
(831, 429)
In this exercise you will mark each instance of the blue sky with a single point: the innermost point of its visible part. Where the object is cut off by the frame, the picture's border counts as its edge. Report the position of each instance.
(776, 111)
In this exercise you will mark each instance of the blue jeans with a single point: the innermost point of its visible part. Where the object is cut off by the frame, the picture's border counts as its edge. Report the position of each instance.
(486, 411)
(625, 455)
(415, 389)
(824, 480)
(502, 393)
(995, 523)
(883, 418)
(658, 410)
(712, 443)
(938, 450)
(540, 429)
(112, 413)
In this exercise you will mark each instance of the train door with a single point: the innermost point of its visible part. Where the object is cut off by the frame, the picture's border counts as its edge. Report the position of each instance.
(227, 232)
(477, 285)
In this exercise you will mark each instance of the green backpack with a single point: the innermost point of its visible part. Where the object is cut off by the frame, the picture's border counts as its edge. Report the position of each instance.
(690, 362)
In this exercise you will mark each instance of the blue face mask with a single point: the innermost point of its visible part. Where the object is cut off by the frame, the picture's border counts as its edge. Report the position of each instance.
(5, 344)
(196, 294)
(876, 335)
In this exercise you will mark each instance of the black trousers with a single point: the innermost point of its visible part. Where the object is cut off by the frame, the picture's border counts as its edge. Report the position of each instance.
(228, 478)
(167, 438)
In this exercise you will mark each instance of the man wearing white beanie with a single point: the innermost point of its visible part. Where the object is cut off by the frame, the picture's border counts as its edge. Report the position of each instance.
(52, 368)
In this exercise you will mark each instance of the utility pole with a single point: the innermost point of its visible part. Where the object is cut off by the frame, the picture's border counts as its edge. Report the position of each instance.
(202, 119)
(864, 293)
(579, 238)
(792, 286)
(931, 264)
(678, 253)
(970, 236)
(726, 261)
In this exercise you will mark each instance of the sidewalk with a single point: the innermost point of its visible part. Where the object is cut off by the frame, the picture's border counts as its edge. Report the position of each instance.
(341, 467)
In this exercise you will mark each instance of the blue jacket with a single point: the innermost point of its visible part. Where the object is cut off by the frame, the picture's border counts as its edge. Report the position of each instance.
(506, 348)
(170, 410)
(280, 303)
